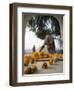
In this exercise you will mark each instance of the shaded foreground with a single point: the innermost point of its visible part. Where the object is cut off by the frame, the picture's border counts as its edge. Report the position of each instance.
(43, 63)
(55, 68)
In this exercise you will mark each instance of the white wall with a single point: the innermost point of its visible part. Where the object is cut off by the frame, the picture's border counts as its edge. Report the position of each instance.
(4, 46)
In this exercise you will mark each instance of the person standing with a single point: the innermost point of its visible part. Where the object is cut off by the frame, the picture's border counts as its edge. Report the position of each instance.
(49, 42)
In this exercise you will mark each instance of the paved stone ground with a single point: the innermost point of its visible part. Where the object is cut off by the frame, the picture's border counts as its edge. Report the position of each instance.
(56, 68)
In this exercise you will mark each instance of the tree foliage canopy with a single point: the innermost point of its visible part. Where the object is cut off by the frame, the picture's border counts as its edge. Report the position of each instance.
(43, 25)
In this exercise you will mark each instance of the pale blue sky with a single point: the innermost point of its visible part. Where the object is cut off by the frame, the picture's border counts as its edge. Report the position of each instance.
(31, 39)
